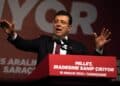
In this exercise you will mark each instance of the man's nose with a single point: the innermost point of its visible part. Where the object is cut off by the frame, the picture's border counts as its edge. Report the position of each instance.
(58, 25)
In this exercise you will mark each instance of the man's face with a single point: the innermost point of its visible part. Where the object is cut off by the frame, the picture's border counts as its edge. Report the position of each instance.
(61, 26)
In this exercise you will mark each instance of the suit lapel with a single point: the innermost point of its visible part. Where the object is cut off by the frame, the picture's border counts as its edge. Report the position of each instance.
(69, 47)
(50, 45)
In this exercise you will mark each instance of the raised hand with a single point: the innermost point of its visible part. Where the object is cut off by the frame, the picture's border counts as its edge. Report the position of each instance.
(7, 26)
(102, 39)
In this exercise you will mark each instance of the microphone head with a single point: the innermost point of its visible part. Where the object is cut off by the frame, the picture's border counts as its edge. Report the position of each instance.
(58, 41)
(65, 41)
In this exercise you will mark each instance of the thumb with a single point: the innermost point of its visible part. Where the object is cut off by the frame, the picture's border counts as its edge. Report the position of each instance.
(10, 30)
(95, 35)
(12, 26)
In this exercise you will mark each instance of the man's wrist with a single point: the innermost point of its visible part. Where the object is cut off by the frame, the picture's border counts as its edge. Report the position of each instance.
(100, 51)
(13, 36)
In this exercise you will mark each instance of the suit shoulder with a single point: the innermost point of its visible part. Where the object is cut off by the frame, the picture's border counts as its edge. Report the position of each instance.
(45, 37)
(77, 43)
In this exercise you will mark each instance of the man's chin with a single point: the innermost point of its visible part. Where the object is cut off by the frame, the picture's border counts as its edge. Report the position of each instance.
(59, 35)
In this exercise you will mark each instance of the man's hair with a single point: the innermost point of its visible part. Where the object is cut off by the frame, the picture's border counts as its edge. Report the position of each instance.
(62, 12)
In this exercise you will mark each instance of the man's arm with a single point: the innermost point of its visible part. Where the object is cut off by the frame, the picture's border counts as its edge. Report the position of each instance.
(102, 40)
(15, 39)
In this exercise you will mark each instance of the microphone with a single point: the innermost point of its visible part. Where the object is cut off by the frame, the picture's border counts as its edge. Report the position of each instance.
(68, 48)
(64, 44)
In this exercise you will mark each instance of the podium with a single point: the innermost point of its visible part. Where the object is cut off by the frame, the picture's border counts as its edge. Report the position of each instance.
(75, 67)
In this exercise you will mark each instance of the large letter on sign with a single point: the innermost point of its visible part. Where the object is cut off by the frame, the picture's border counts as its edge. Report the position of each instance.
(20, 12)
(84, 22)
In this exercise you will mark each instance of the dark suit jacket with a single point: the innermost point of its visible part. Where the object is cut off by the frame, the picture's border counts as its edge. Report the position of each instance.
(44, 46)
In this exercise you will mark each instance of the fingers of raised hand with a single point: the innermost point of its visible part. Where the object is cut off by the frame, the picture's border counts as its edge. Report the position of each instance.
(106, 33)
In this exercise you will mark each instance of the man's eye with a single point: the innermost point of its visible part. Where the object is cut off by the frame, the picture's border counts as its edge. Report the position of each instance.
(63, 22)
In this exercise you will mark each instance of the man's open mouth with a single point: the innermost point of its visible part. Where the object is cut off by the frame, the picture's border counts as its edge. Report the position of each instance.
(57, 29)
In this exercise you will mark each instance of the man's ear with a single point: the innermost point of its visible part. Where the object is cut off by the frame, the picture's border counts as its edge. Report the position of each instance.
(70, 27)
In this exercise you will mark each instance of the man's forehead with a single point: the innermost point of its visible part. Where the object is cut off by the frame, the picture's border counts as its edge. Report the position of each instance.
(62, 16)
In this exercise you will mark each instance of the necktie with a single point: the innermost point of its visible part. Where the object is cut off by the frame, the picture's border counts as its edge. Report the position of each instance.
(57, 50)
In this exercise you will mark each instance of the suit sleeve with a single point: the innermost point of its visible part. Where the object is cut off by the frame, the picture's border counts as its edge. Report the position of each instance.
(26, 45)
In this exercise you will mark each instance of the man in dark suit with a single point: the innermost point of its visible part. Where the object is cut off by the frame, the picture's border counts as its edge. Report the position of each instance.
(47, 44)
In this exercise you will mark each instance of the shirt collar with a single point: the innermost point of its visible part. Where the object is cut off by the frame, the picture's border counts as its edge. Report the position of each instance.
(66, 37)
